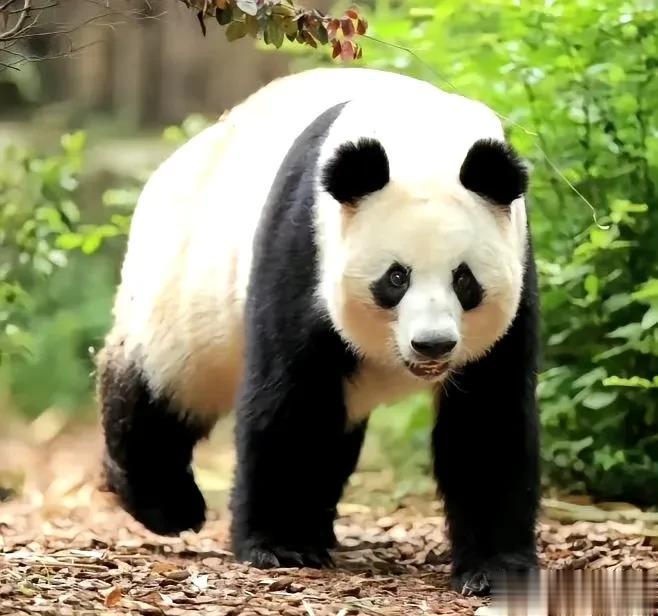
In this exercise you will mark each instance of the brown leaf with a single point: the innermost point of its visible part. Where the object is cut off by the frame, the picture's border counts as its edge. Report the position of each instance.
(146, 609)
(275, 584)
(178, 575)
(352, 591)
(309, 40)
(113, 597)
(347, 26)
(213, 563)
(164, 567)
(346, 51)
(332, 28)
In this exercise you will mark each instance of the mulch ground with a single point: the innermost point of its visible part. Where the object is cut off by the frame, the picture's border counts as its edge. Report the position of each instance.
(66, 548)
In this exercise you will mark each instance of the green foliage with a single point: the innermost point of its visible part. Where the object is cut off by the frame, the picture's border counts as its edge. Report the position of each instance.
(36, 210)
(576, 85)
(598, 394)
(401, 431)
(69, 317)
(57, 273)
(178, 134)
(54, 296)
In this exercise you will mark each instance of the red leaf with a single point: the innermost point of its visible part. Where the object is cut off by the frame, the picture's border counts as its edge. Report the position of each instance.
(310, 40)
(361, 26)
(332, 27)
(336, 50)
(346, 51)
(347, 27)
(352, 14)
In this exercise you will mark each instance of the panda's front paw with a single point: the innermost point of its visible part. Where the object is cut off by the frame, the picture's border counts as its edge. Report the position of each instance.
(265, 555)
(476, 582)
(164, 505)
(481, 579)
(170, 514)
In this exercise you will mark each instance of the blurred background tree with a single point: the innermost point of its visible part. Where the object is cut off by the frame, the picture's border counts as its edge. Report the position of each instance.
(575, 82)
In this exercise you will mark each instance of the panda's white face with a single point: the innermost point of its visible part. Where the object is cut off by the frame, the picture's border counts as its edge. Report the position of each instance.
(422, 257)
(429, 282)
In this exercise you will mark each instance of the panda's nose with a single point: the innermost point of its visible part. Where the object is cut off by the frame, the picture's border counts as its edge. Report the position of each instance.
(433, 346)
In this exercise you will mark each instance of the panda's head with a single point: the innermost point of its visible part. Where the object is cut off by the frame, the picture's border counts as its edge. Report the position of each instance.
(422, 243)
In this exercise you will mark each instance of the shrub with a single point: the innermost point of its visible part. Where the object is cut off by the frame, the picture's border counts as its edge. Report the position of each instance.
(36, 209)
(56, 284)
(54, 294)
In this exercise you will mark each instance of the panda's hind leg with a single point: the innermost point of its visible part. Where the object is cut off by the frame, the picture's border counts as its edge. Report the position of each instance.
(148, 448)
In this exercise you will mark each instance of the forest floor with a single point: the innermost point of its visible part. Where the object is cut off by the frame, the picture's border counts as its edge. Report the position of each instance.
(66, 548)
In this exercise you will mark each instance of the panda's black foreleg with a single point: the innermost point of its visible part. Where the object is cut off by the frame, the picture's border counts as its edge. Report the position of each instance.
(486, 449)
(148, 451)
(294, 455)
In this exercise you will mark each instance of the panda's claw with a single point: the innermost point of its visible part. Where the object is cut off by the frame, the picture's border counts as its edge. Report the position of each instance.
(269, 557)
(482, 578)
(264, 559)
(477, 584)
(319, 559)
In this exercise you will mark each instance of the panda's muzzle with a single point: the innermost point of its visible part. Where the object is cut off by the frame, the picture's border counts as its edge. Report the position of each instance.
(432, 352)
(428, 369)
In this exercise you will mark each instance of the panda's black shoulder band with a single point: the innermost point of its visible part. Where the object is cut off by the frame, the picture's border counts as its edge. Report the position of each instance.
(356, 170)
(493, 170)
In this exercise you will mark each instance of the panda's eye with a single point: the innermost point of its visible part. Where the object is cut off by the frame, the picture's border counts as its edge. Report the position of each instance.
(468, 290)
(398, 276)
(389, 289)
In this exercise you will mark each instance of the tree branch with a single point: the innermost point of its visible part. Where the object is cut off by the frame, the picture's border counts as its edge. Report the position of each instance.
(273, 20)
(19, 25)
(22, 16)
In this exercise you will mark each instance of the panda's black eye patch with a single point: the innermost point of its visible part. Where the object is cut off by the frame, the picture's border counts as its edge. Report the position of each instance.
(389, 289)
(467, 288)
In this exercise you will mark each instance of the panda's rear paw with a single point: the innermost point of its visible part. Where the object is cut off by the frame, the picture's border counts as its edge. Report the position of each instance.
(481, 579)
(165, 506)
(267, 556)
(475, 583)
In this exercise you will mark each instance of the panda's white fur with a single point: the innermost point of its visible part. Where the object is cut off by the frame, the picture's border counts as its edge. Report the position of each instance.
(181, 301)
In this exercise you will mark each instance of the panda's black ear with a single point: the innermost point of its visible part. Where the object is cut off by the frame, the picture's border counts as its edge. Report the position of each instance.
(355, 171)
(493, 170)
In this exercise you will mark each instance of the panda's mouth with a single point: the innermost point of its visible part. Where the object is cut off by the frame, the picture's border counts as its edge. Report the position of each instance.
(428, 370)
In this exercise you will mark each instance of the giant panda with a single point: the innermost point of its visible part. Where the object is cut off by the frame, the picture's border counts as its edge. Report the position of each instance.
(341, 239)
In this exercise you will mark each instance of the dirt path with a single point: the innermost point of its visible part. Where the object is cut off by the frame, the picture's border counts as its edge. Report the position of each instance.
(66, 549)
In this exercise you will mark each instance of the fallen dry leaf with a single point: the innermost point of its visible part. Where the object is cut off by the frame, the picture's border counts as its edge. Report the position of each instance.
(163, 567)
(113, 597)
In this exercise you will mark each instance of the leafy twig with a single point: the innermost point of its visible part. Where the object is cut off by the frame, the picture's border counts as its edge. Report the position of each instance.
(272, 21)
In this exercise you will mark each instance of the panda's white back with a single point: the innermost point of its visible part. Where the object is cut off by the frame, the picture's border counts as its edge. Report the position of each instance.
(185, 274)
